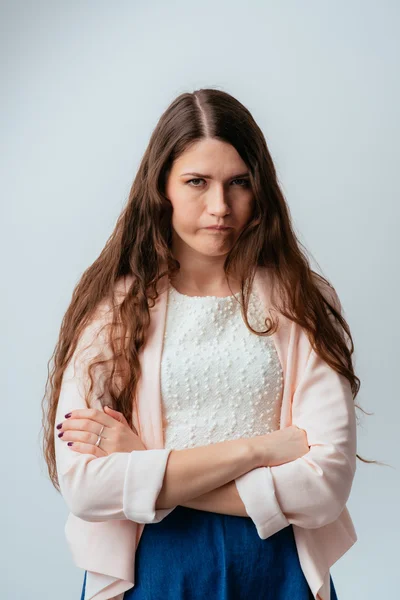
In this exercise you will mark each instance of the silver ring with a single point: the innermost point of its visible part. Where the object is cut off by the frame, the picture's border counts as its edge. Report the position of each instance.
(99, 438)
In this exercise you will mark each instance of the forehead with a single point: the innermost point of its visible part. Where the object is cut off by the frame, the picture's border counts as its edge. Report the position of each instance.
(209, 156)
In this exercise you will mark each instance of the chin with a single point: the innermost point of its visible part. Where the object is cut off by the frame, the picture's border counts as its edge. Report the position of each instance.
(210, 252)
(203, 247)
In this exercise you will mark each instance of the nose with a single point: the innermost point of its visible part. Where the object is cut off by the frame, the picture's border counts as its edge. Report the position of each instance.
(217, 204)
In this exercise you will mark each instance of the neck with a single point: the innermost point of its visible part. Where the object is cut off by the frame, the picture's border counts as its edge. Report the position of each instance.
(198, 277)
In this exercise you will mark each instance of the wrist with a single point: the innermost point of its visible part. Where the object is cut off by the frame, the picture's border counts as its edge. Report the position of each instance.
(254, 452)
(260, 451)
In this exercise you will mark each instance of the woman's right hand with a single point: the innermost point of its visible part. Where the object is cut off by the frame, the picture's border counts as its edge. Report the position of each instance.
(281, 446)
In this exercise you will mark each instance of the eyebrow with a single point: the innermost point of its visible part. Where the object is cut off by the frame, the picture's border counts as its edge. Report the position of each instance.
(246, 174)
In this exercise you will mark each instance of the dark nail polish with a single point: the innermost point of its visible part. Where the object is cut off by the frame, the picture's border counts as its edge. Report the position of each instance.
(69, 443)
(59, 426)
(61, 434)
(67, 416)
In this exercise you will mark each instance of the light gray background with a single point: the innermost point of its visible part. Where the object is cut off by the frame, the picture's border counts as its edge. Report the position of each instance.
(82, 86)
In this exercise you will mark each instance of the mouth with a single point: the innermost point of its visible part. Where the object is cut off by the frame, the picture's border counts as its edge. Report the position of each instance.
(218, 228)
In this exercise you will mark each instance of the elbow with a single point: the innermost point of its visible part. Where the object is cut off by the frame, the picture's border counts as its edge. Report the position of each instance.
(81, 508)
(324, 514)
(77, 500)
(82, 512)
(330, 499)
(88, 506)
(90, 498)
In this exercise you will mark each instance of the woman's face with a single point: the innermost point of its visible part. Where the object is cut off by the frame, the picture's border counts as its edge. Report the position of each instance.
(208, 185)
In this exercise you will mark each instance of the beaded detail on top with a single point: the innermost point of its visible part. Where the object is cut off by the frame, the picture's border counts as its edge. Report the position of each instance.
(219, 381)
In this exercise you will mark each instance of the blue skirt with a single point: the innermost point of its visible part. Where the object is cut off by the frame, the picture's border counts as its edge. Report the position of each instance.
(193, 554)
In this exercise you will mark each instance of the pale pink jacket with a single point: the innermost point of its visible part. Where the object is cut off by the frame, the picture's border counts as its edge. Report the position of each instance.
(111, 498)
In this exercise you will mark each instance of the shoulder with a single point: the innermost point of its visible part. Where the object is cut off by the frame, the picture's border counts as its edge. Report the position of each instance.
(104, 309)
(328, 291)
(102, 317)
(122, 285)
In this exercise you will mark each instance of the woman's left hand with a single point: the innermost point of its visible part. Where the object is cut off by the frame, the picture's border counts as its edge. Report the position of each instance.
(82, 428)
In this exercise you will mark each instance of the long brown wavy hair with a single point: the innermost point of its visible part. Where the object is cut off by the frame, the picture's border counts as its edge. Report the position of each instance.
(139, 252)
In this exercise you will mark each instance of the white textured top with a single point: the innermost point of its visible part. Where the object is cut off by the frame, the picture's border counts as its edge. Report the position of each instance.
(219, 381)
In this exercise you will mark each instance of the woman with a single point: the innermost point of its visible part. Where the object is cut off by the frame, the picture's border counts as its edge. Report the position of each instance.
(237, 495)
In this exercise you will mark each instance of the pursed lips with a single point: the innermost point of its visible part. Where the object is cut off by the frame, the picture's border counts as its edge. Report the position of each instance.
(216, 228)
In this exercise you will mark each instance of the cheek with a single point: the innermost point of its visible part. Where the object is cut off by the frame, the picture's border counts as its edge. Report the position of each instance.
(245, 211)
(250, 206)
(186, 216)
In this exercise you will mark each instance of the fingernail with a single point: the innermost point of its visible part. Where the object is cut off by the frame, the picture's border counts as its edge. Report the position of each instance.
(69, 443)
(61, 434)
(59, 426)
(67, 416)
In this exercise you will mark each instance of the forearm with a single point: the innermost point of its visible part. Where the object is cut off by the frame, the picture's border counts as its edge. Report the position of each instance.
(196, 471)
(224, 500)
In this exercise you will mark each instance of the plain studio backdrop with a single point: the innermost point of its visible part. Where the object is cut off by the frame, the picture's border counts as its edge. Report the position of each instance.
(82, 86)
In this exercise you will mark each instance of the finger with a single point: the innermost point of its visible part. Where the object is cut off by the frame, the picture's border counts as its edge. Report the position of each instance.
(120, 417)
(84, 425)
(85, 437)
(83, 448)
(93, 414)
(115, 414)
(86, 419)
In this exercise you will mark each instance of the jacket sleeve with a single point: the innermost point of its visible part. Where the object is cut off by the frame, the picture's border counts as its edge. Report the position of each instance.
(121, 485)
(312, 490)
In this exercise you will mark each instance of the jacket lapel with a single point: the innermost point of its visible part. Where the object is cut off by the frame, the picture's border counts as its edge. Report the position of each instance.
(148, 401)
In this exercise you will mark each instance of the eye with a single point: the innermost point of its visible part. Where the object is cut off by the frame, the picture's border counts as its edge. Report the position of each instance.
(245, 182)
(197, 179)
